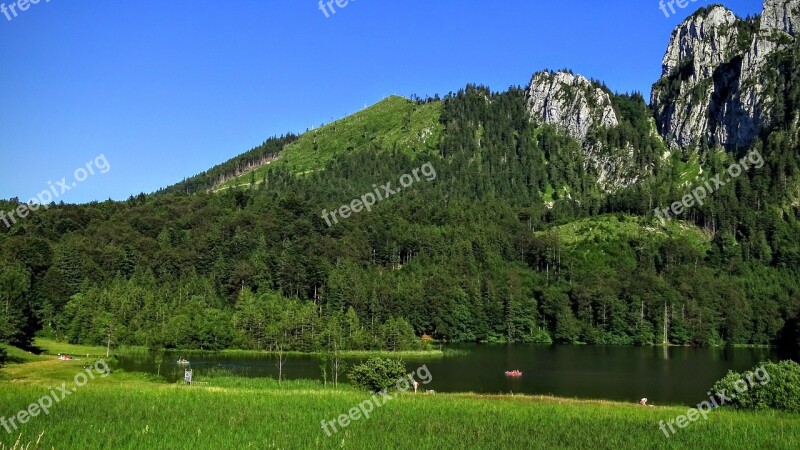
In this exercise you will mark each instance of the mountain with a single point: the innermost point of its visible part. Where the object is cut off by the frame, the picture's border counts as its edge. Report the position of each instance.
(570, 102)
(536, 223)
(394, 122)
(720, 74)
(584, 110)
(244, 164)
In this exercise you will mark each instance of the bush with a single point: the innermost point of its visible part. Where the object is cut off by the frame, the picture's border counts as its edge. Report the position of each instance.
(536, 336)
(3, 356)
(377, 374)
(769, 386)
(609, 338)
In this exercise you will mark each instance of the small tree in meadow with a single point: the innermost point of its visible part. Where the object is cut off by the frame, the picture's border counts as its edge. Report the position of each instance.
(377, 374)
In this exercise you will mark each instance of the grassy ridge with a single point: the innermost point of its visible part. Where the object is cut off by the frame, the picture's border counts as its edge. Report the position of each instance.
(128, 411)
(394, 122)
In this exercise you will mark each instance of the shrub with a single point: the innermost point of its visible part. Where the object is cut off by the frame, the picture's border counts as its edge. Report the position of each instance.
(3, 356)
(609, 338)
(536, 336)
(377, 374)
(769, 386)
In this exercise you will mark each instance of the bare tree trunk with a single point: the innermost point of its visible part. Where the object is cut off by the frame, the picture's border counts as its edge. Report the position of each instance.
(280, 365)
(108, 345)
(335, 364)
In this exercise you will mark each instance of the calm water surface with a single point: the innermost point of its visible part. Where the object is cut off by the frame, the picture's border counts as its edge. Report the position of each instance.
(664, 375)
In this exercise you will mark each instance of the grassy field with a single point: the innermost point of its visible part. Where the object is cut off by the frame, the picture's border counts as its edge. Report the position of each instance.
(127, 410)
(51, 347)
(406, 354)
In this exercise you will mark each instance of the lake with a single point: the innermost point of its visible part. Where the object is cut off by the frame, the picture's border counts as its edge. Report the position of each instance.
(674, 375)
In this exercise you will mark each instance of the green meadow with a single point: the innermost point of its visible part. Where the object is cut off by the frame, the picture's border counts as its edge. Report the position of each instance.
(129, 410)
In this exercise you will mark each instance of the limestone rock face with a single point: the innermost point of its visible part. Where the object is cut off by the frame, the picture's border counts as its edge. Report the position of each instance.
(712, 88)
(703, 42)
(577, 106)
(781, 15)
(569, 102)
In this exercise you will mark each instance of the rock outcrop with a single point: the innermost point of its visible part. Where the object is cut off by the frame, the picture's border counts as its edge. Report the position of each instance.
(578, 106)
(781, 15)
(719, 77)
(701, 43)
(712, 89)
(569, 102)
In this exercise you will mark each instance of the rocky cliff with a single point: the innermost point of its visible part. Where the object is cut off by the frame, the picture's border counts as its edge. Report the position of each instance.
(716, 73)
(569, 102)
(579, 107)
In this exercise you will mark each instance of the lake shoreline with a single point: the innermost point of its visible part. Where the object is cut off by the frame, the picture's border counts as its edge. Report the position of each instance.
(234, 412)
(49, 346)
(29, 373)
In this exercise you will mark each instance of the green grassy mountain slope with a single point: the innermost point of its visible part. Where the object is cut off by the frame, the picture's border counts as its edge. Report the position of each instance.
(392, 123)
(235, 167)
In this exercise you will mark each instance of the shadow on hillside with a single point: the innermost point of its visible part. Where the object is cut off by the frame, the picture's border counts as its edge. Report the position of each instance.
(788, 342)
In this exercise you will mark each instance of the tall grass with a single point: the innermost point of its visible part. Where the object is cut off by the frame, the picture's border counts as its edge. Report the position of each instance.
(19, 445)
(238, 413)
(132, 411)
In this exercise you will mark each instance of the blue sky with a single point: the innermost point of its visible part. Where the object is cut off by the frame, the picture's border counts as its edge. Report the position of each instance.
(167, 89)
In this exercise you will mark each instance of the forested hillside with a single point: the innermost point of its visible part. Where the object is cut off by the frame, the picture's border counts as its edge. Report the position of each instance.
(515, 240)
(244, 164)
